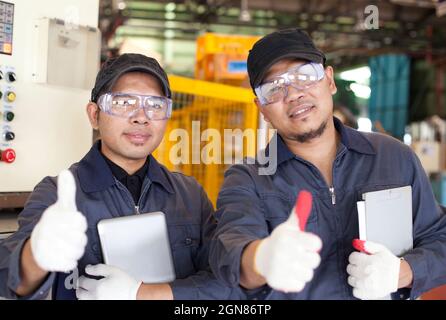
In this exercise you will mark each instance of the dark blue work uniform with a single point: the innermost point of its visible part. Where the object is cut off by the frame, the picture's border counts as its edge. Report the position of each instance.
(100, 195)
(250, 206)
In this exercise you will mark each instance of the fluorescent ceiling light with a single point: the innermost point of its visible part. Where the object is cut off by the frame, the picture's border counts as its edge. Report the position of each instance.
(360, 75)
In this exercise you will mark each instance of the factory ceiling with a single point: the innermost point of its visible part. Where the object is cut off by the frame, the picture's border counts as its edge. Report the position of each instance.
(349, 31)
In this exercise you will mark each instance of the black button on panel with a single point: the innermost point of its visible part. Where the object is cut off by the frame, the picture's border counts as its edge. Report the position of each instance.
(11, 76)
(9, 116)
(9, 136)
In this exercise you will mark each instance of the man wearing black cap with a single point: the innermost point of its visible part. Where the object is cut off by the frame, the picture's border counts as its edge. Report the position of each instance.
(130, 105)
(261, 247)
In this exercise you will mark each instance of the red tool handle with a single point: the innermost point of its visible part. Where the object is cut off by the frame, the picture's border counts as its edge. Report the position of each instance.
(303, 208)
(359, 245)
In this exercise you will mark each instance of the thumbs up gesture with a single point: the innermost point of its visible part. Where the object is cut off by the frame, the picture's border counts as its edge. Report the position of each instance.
(288, 257)
(58, 240)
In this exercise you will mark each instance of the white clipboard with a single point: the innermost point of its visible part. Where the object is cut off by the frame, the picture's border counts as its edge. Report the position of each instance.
(385, 217)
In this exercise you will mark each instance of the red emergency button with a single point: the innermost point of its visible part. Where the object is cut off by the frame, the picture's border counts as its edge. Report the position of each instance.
(7, 155)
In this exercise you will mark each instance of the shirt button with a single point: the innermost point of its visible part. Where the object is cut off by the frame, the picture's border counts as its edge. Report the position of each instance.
(188, 241)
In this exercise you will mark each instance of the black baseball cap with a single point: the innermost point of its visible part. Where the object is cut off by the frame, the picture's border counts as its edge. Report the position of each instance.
(287, 43)
(113, 68)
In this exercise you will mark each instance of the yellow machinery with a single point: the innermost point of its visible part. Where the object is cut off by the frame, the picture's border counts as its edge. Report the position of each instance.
(204, 111)
(198, 106)
(222, 58)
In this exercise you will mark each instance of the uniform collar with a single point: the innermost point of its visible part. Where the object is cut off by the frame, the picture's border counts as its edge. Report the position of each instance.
(96, 175)
(121, 174)
(353, 139)
(350, 138)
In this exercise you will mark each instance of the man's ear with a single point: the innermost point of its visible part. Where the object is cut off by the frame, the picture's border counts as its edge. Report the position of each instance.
(93, 114)
(329, 73)
(261, 109)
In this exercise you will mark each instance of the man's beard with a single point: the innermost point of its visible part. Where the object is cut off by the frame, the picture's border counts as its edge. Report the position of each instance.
(310, 135)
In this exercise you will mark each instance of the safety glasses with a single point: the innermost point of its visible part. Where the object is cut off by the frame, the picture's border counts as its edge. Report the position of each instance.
(126, 105)
(301, 77)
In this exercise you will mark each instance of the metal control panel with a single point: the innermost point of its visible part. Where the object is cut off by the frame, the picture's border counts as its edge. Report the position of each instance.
(49, 55)
(7, 79)
(8, 97)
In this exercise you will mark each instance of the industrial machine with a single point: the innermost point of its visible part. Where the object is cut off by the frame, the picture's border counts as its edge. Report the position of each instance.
(49, 57)
(222, 58)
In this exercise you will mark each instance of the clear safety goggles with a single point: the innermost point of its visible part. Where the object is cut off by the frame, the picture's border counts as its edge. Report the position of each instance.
(126, 105)
(301, 77)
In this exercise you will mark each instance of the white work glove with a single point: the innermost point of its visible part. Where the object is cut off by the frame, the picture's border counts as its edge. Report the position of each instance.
(59, 238)
(374, 275)
(116, 284)
(288, 257)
